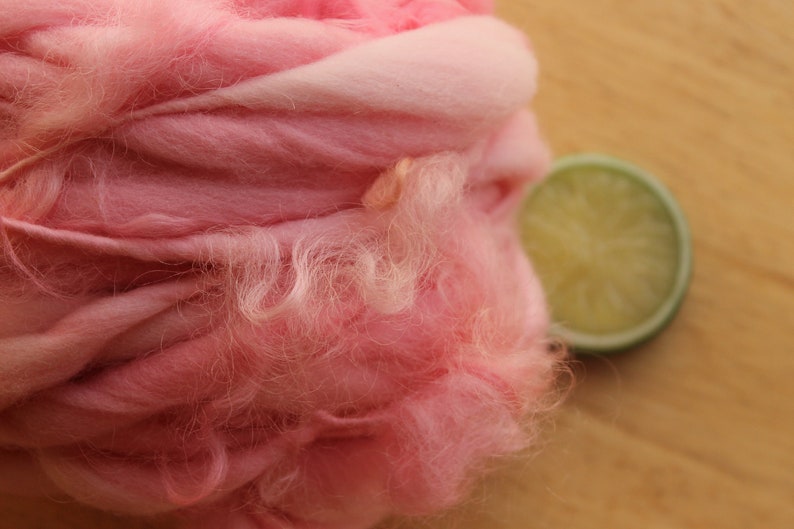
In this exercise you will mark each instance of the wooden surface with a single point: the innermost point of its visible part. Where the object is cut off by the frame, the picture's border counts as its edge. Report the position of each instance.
(695, 429)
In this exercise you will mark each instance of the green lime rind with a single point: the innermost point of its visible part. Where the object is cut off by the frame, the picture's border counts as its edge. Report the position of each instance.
(614, 342)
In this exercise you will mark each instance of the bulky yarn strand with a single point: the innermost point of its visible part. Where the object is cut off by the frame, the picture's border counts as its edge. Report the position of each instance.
(258, 260)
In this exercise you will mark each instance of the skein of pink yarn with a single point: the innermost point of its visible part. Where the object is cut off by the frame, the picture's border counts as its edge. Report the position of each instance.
(258, 258)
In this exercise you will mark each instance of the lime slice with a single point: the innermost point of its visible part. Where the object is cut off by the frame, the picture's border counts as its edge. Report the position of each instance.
(612, 250)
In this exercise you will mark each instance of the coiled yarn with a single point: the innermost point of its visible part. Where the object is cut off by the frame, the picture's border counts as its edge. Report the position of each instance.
(258, 262)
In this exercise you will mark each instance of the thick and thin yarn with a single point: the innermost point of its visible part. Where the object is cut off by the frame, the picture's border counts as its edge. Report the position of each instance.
(257, 257)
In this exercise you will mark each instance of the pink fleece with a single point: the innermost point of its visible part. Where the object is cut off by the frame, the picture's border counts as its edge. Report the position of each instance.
(258, 262)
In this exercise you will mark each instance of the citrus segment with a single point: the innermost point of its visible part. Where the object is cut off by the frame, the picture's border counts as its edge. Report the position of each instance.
(612, 249)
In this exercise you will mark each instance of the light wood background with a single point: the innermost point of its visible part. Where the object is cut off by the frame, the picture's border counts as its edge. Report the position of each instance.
(695, 429)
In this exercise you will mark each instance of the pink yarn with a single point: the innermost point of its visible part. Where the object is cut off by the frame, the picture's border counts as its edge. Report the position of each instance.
(258, 256)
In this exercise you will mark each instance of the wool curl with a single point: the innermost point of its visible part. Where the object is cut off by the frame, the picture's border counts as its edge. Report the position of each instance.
(259, 263)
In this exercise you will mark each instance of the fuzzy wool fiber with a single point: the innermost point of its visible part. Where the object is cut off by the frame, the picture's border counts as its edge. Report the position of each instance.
(258, 261)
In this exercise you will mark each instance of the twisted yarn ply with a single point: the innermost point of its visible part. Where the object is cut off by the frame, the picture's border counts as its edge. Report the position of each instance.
(257, 257)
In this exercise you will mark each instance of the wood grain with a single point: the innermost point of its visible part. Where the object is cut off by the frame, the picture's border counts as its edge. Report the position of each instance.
(695, 429)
